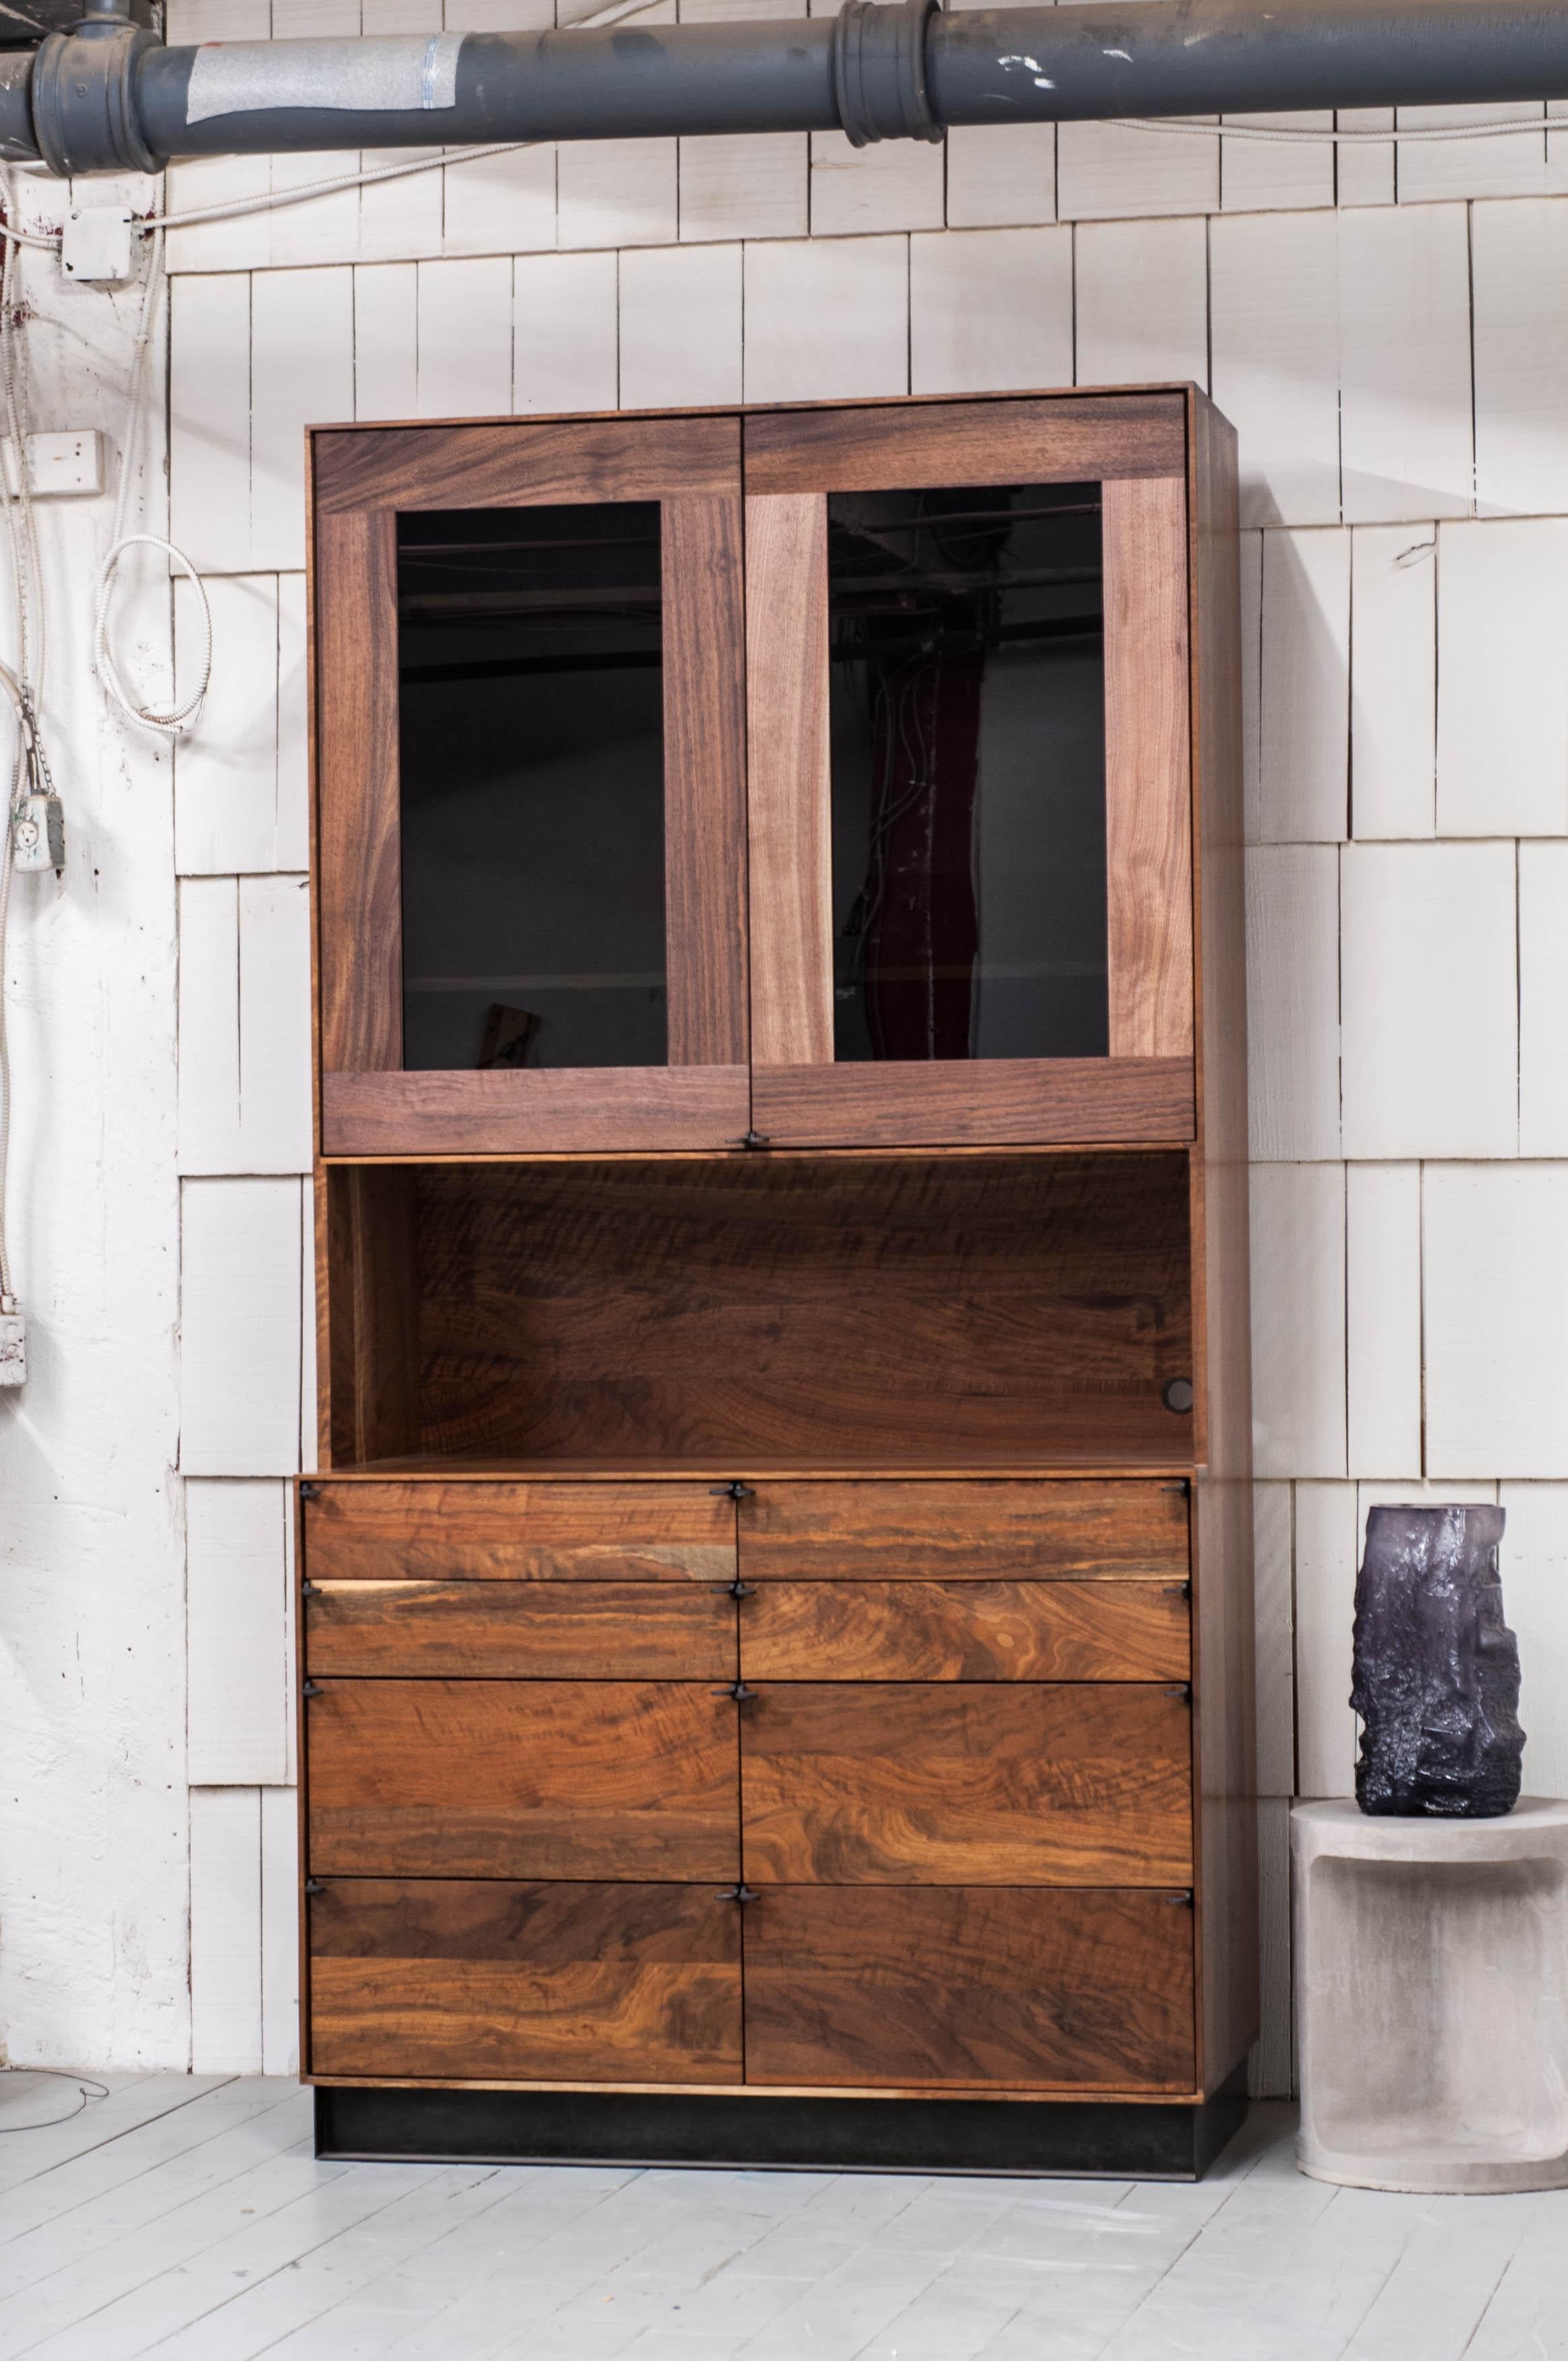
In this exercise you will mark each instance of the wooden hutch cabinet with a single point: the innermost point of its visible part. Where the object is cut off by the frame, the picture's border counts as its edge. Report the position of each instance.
(775, 1600)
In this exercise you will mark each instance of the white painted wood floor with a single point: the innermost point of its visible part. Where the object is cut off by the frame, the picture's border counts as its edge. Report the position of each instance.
(186, 2218)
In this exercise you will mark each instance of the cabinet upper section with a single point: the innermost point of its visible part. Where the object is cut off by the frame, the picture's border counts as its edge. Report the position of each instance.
(823, 776)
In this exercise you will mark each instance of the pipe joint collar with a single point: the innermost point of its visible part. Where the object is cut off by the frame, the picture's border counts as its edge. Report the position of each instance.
(83, 96)
(879, 70)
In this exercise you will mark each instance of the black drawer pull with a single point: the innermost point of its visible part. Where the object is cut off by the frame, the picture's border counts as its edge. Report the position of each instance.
(742, 1590)
(736, 1491)
(314, 1886)
(1179, 1901)
(311, 1688)
(738, 1690)
(1182, 1689)
(1176, 1590)
(740, 1894)
(310, 1491)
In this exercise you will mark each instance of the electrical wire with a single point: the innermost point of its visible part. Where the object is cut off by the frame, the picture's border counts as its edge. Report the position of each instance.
(88, 2093)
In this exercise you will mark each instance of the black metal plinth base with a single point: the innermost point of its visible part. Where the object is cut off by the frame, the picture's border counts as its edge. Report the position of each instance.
(983, 2136)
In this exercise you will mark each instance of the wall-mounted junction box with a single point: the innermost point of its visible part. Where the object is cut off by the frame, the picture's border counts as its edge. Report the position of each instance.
(58, 465)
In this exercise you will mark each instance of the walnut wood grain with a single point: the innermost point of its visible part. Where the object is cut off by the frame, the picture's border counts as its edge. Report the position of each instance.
(358, 884)
(922, 1630)
(705, 780)
(524, 1630)
(967, 1987)
(789, 784)
(519, 1533)
(1148, 801)
(1223, 1603)
(535, 1779)
(815, 1311)
(451, 1978)
(981, 1102)
(511, 1112)
(959, 1784)
(996, 1531)
(523, 462)
(368, 1373)
(1061, 438)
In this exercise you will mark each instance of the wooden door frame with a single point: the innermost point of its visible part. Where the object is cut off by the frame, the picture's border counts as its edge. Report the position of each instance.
(1136, 447)
(361, 478)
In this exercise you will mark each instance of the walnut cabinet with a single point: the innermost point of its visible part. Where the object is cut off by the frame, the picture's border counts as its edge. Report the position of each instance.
(774, 1622)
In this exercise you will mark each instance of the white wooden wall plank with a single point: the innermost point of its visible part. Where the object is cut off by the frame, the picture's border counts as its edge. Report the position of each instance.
(1429, 957)
(827, 319)
(1271, 2068)
(1262, 175)
(680, 325)
(292, 844)
(1382, 1319)
(1304, 712)
(1364, 169)
(989, 310)
(1519, 260)
(226, 1930)
(313, 229)
(895, 184)
(1141, 301)
(301, 374)
(741, 186)
(500, 204)
(1274, 317)
(463, 367)
(1407, 440)
(617, 192)
(1543, 999)
(240, 1314)
(225, 771)
(1298, 1319)
(1502, 709)
(1108, 171)
(239, 1692)
(1534, 1560)
(386, 340)
(1511, 164)
(209, 420)
(563, 328)
(1292, 962)
(1494, 1292)
(1328, 1540)
(1251, 568)
(401, 220)
(279, 1931)
(1273, 1553)
(244, 243)
(274, 1025)
(218, 20)
(1393, 682)
(1001, 174)
(209, 1025)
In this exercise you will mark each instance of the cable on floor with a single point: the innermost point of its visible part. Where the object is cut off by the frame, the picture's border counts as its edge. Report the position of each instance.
(89, 2093)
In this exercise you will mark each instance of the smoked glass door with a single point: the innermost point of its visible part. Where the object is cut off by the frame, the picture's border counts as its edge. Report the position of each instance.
(970, 804)
(530, 787)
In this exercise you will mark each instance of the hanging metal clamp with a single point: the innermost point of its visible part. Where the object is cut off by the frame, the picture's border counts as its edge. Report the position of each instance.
(736, 1491)
(738, 1690)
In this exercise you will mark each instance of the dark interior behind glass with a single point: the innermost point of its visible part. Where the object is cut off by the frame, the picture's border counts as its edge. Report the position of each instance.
(533, 786)
(968, 772)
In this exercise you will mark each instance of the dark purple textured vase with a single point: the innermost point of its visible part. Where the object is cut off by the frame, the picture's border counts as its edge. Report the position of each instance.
(1437, 1670)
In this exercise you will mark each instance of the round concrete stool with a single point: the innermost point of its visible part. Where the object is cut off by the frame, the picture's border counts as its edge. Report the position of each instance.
(1432, 1998)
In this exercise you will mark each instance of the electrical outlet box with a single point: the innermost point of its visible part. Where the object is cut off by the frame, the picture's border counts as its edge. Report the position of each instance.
(95, 244)
(69, 464)
(37, 833)
(12, 1348)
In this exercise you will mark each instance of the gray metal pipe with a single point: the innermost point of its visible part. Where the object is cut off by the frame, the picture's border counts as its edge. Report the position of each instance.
(109, 97)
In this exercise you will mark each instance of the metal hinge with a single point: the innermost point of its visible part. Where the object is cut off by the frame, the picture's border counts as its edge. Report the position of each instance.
(736, 1491)
(738, 1690)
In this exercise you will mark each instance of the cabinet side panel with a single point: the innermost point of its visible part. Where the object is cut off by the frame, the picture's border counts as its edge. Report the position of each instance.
(1223, 1622)
(705, 780)
(371, 1368)
(359, 879)
(1149, 804)
(786, 697)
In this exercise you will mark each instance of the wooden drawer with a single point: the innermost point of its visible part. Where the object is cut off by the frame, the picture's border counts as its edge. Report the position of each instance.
(526, 1630)
(965, 1631)
(964, 1784)
(1090, 1991)
(519, 1533)
(613, 1780)
(964, 1531)
(529, 1983)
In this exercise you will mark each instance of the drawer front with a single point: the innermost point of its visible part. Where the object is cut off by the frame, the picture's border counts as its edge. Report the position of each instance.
(519, 1533)
(965, 1631)
(612, 1780)
(964, 1531)
(525, 1631)
(526, 1983)
(966, 1784)
(915, 1985)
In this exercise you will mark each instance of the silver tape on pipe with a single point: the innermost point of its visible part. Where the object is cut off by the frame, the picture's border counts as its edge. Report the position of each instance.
(385, 76)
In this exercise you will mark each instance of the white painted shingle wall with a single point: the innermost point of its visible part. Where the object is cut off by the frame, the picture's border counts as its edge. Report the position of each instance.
(1399, 374)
